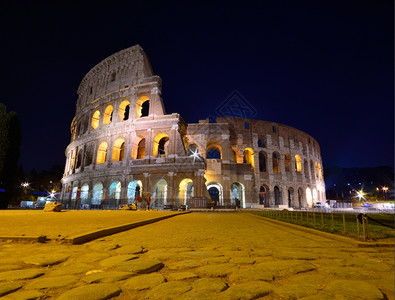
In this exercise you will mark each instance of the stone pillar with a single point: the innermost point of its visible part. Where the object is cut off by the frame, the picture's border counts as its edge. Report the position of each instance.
(146, 183)
(172, 142)
(171, 189)
(149, 144)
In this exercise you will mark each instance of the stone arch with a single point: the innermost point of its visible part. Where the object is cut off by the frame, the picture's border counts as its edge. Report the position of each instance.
(124, 110)
(215, 148)
(236, 155)
(237, 191)
(84, 194)
(161, 145)
(277, 196)
(95, 119)
(118, 150)
(216, 192)
(101, 153)
(88, 156)
(276, 162)
(248, 157)
(139, 107)
(160, 193)
(192, 149)
(298, 163)
(263, 195)
(306, 169)
(316, 169)
(309, 197)
(114, 190)
(135, 188)
(186, 190)
(79, 159)
(290, 197)
(287, 162)
(138, 147)
(97, 194)
(262, 161)
(319, 171)
(107, 117)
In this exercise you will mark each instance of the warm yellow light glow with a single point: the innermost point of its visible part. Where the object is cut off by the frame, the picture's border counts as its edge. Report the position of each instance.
(248, 157)
(101, 153)
(139, 105)
(138, 148)
(319, 171)
(298, 163)
(122, 109)
(95, 119)
(118, 150)
(107, 118)
(157, 142)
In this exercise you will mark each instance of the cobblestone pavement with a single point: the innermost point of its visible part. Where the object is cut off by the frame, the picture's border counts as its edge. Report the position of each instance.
(199, 256)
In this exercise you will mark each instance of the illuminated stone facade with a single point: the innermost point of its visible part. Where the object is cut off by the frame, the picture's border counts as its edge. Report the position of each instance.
(123, 145)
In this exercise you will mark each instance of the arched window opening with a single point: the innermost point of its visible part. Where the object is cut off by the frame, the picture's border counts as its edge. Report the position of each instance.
(262, 161)
(315, 195)
(277, 196)
(114, 192)
(107, 118)
(160, 194)
(316, 169)
(248, 157)
(95, 119)
(142, 107)
(235, 154)
(263, 199)
(118, 150)
(287, 161)
(84, 194)
(123, 110)
(134, 190)
(138, 147)
(161, 144)
(306, 169)
(97, 194)
(75, 191)
(186, 191)
(215, 191)
(260, 143)
(319, 171)
(101, 153)
(290, 197)
(237, 194)
(309, 197)
(213, 150)
(73, 160)
(192, 150)
(113, 75)
(79, 158)
(298, 163)
(88, 156)
(276, 163)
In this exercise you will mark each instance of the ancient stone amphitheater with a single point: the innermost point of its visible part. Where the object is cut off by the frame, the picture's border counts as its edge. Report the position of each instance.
(124, 146)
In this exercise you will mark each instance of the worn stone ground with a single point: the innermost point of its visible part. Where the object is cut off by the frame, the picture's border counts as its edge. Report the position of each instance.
(198, 256)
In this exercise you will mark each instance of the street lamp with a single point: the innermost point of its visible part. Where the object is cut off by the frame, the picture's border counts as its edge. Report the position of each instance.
(360, 195)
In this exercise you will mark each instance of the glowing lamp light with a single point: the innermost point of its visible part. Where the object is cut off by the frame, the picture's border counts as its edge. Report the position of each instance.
(25, 184)
(195, 155)
(360, 195)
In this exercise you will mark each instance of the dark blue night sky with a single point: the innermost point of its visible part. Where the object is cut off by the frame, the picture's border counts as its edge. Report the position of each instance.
(324, 67)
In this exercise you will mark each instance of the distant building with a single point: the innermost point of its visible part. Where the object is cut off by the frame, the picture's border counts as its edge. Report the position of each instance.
(123, 145)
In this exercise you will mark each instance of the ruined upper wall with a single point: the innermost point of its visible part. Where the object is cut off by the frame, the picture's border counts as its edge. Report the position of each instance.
(121, 70)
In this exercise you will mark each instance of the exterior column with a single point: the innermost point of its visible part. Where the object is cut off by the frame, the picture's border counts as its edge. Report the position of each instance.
(171, 189)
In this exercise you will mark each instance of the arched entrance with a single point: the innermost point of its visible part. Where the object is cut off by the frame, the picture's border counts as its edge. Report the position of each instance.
(97, 195)
(263, 199)
(237, 193)
(290, 197)
(160, 194)
(277, 196)
(134, 189)
(114, 193)
(186, 191)
(84, 201)
(215, 191)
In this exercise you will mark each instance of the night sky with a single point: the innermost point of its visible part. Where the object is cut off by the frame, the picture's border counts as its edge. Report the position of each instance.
(324, 67)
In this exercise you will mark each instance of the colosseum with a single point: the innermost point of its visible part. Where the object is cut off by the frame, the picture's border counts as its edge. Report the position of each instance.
(124, 147)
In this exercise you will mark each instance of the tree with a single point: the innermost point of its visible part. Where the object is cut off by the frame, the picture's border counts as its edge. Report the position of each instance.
(10, 142)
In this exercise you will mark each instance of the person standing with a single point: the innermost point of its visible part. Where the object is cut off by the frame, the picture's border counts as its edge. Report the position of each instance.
(148, 201)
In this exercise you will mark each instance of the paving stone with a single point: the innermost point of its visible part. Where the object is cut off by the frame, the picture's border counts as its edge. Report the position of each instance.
(71, 269)
(130, 249)
(25, 295)
(169, 290)
(182, 275)
(236, 253)
(329, 262)
(349, 272)
(261, 252)
(144, 282)
(21, 274)
(209, 285)
(184, 264)
(302, 286)
(289, 254)
(47, 259)
(353, 289)
(140, 266)
(288, 267)
(369, 264)
(253, 273)
(51, 282)
(248, 290)
(92, 292)
(115, 260)
(9, 287)
(9, 268)
(93, 257)
(228, 248)
(105, 277)
(215, 260)
(221, 270)
(242, 261)
(191, 295)
(386, 285)
(200, 254)
(319, 297)
(164, 256)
